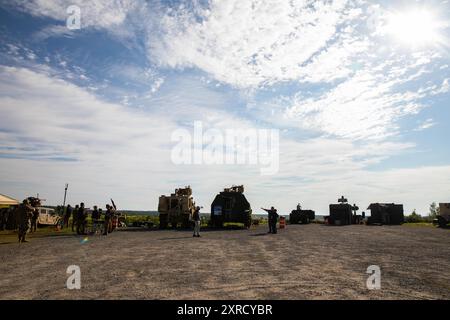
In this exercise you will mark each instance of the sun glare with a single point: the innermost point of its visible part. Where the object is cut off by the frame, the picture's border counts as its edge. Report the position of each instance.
(414, 28)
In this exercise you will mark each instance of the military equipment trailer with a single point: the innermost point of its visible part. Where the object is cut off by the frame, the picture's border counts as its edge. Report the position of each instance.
(176, 209)
(230, 205)
(301, 216)
(443, 219)
(385, 213)
(343, 214)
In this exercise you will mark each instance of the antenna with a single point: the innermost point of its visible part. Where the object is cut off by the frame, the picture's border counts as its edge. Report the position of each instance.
(65, 194)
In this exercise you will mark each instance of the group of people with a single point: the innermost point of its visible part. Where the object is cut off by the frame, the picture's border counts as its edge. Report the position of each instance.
(273, 219)
(100, 221)
(23, 217)
(7, 219)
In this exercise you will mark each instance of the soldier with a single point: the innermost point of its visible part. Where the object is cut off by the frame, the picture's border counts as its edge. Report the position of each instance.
(3, 218)
(273, 217)
(34, 219)
(196, 218)
(95, 217)
(23, 214)
(67, 215)
(11, 221)
(108, 214)
(74, 217)
(81, 220)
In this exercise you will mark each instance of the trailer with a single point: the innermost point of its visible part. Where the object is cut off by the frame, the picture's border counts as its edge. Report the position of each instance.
(443, 219)
(385, 214)
(300, 216)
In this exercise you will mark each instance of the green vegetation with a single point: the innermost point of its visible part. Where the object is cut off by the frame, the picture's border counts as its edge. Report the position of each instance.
(416, 218)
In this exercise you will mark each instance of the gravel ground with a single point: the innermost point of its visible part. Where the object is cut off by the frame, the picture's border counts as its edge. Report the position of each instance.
(300, 262)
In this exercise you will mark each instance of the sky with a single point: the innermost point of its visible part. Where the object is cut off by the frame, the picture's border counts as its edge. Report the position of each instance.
(358, 92)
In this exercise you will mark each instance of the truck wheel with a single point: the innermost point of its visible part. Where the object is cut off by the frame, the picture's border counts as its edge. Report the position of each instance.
(442, 222)
(162, 221)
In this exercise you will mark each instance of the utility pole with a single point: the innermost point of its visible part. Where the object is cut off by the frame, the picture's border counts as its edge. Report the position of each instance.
(65, 194)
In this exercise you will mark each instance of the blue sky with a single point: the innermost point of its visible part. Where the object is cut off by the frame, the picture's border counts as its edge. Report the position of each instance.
(358, 89)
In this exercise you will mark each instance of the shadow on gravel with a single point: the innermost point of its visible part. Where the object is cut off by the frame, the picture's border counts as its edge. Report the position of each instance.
(259, 234)
(177, 238)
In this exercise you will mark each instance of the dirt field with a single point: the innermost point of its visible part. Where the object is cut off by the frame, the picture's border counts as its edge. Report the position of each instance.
(300, 262)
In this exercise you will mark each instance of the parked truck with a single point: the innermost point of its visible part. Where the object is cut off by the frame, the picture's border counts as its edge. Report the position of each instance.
(230, 205)
(176, 209)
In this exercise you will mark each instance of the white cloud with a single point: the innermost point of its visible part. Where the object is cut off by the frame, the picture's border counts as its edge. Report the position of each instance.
(429, 123)
(248, 44)
(99, 13)
(124, 153)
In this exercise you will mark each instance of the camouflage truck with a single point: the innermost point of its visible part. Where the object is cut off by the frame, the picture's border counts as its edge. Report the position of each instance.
(443, 219)
(176, 209)
(301, 216)
(385, 213)
(230, 205)
(343, 213)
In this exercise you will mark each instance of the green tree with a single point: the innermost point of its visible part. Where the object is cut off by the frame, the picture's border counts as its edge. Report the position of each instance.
(414, 217)
(434, 211)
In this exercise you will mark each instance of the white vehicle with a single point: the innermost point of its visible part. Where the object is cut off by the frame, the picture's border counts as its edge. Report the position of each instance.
(48, 217)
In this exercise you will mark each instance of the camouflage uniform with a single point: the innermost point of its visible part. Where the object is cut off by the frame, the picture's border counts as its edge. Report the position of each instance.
(23, 214)
(74, 217)
(81, 220)
(34, 219)
(108, 216)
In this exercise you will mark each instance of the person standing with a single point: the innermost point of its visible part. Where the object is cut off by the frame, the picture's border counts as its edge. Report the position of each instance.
(81, 220)
(23, 214)
(34, 220)
(75, 217)
(67, 216)
(95, 217)
(108, 215)
(196, 218)
(273, 218)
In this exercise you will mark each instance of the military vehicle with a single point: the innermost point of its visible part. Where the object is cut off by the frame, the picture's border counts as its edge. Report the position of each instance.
(343, 213)
(443, 219)
(48, 217)
(230, 205)
(176, 208)
(301, 216)
(385, 213)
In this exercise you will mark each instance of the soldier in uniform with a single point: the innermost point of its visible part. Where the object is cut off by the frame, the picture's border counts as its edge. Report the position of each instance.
(108, 215)
(81, 219)
(11, 221)
(23, 215)
(95, 217)
(34, 219)
(273, 218)
(75, 217)
(67, 215)
(196, 218)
